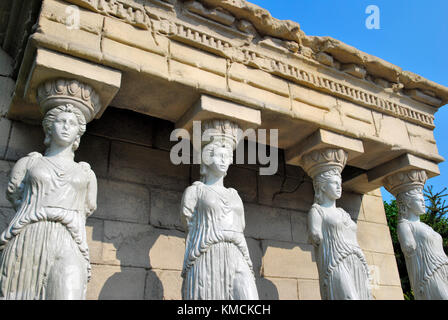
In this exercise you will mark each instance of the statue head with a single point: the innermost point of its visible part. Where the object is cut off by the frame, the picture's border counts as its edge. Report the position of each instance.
(216, 157)
(64, 123)
(411, 202)
(324, 166)
(327, 184)
(219, 140)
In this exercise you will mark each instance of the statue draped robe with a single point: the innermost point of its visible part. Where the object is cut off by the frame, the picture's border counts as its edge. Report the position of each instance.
(216, 265)
(343, 270)
(426, 262)
(44, 249)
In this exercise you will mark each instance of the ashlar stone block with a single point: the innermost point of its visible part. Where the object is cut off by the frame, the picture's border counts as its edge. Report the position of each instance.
(5, 169)
(6, 215)
(95, 151)
(388, 293)
(7, 86)
(139, 164)
(286, 288)
(373, 209)
(386, 267)
(163, 285)
(267, 290)
(288, 260)
(353, 204)
(299, 224)
(165, 209)
(123, 125)
(286, 192)
(116, 283)
(123, 201)
(256, 254)
(94, 235)
(264, 222)
(24, 139)
(374, 237)
(129, 35)
(309, 290)
(137, 245)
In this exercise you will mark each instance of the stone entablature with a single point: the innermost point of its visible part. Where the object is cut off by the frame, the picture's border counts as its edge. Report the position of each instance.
(271, 55)
(182, 50)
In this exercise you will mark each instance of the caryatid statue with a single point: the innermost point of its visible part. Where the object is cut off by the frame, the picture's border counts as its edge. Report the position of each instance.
(343, 270)
(44, 248)
(217, 264)
(426, 262)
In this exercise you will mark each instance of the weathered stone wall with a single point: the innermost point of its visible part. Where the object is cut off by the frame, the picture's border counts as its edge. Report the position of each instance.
(135, 237)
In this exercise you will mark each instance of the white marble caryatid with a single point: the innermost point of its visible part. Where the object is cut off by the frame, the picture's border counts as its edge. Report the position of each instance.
(343, 270)
(44, 248)
(426, 262)
(217, 265)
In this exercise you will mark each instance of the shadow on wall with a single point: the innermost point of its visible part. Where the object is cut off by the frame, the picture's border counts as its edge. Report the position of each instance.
(352, 203)
(130, 282)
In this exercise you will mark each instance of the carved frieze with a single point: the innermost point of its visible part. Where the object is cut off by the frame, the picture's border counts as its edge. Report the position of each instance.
(242, 47)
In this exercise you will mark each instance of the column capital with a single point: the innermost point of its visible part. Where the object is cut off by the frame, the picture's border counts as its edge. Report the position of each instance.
(56, 92)
(321, 160)
(403, 181)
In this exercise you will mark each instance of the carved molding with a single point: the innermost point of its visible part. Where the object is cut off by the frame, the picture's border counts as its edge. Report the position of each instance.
(405, 180)
(61, 91)
(129, 11)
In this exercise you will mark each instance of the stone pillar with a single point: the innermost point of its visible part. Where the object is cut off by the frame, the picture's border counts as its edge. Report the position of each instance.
(343, 270)
(45, 253)
(217, 265)
(426, 262)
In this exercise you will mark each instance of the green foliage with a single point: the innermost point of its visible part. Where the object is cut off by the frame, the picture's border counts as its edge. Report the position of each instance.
(435, 217)
(436, 209)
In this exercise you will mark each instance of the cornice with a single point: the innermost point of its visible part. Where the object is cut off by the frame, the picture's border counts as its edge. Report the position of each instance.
(226, 34)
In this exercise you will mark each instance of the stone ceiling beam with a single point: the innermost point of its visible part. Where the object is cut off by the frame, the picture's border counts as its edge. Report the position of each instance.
(374, 178)
(324, 139)
(208, 107)
(48, 65)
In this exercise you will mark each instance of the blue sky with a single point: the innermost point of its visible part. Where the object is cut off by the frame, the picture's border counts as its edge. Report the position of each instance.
(413, 35)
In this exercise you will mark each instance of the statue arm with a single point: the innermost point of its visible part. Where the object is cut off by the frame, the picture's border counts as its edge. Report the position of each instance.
(92, 190)
(314, 227)
(406, 239)
(14, 192)
(188, 205)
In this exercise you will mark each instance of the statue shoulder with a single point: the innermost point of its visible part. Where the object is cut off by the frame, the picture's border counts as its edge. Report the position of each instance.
(192, 190)
(315, 209)
(233, 191)
(196, 184)
(34, 155)
(87, 169)
(84, 165)
(26, 161)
